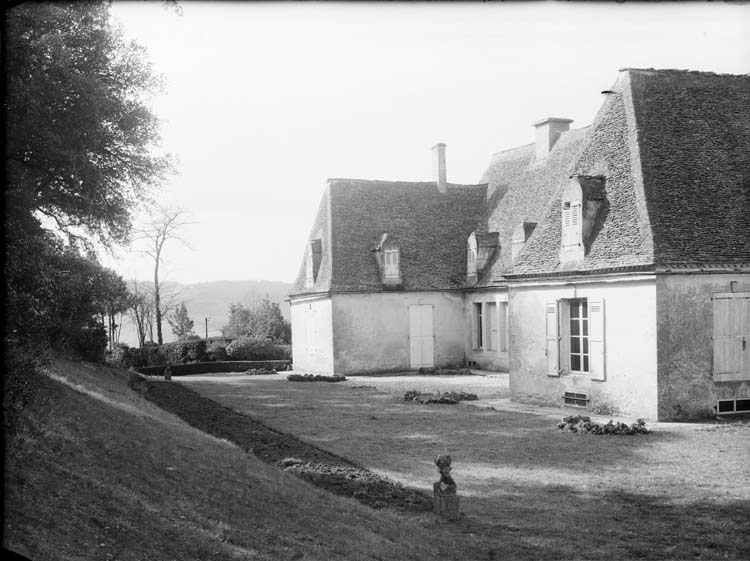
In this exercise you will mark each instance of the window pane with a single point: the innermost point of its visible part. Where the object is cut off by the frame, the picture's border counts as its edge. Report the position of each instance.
(574, 327)
(574, 309)
(585, 345)
(586, 363)
(575, 345)
(585, 326)
(575, 363)
(584, 309)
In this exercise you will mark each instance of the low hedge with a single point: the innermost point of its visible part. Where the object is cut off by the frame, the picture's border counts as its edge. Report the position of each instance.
(215, 367)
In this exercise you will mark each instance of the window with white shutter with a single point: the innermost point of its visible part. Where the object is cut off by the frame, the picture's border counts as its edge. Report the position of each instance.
(391, 263)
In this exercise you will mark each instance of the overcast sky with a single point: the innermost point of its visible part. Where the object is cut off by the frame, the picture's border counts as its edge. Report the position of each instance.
(264, 102)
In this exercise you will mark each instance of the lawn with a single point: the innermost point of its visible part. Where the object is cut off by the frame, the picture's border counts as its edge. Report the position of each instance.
(527, 490)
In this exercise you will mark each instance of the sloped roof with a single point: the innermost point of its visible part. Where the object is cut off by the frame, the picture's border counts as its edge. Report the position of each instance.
(320, 230)
(694, 139)
(429, 228)
(674, 147)
(521, 189)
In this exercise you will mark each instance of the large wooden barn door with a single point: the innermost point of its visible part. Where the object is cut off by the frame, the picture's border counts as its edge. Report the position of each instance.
(421, 336)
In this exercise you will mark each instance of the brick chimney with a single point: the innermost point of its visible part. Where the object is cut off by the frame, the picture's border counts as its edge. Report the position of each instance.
(438, 154)
(547, 132)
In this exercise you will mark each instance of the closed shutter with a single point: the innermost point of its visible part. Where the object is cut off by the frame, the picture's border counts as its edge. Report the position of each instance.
(421, 336)
(552, 346)
(491, 309)
(503, 321)
(596, 339)
(731, 337)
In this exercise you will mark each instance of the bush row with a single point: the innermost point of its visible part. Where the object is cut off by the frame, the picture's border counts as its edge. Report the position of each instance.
(315, 378)
(216, 367)
(191, 351)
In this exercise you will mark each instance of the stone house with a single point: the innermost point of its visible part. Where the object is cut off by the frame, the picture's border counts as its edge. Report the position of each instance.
(606, 268)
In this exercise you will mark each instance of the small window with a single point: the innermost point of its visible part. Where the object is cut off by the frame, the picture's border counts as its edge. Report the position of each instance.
(391, 263)
(479, 325)
(729, 406)
(314, 257)
(579, 336)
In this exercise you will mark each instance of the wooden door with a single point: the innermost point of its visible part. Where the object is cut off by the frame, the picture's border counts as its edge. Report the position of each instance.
(421, 336)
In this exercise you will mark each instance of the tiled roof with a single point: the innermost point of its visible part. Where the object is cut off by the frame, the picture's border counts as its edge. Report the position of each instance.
(429, 228)
(521, 190)
(674, 147)
(674, 150)
(694, 138)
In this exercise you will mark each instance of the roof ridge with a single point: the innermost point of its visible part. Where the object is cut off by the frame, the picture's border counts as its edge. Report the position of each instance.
(530, 144)
(397, 182)
(683, 71)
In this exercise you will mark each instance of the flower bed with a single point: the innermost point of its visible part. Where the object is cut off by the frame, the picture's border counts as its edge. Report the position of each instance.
(584, 425)
(448, 398)
(444, 372)
(315, 378)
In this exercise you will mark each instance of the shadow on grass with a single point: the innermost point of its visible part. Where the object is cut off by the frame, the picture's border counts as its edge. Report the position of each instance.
(324, 469)
(565, 523)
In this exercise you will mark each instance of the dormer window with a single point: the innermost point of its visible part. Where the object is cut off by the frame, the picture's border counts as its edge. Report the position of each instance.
(479, 251)
(390, 264)
(388, 257)
(571, 224)
(582, 198)
(471, 257)
(312, 265)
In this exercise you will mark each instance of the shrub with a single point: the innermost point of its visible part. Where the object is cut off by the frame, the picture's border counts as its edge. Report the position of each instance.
(248, 348)
(449, 398)
(182, 352)
(90, 342)
(216, 352)
(584, 425)
(121, 355)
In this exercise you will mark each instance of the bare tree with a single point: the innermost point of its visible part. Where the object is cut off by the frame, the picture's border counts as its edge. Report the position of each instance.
(141, 311)
(164, 224)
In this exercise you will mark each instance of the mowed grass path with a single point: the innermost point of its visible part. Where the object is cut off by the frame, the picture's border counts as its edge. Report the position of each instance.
(682, 492)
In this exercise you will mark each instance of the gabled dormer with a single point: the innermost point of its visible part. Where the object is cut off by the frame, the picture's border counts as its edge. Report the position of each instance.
(480, 249)
(388, 257)
(521, 234)
(582, 199)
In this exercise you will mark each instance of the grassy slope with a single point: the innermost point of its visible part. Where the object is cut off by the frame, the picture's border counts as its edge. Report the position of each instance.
(100, 473)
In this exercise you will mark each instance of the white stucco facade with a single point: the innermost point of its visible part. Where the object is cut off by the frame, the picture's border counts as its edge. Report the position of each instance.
(628, 382)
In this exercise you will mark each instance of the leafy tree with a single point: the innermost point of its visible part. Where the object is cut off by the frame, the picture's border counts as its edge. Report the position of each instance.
(80, 134)
(262, 321)
(182, 325)
(79, 156)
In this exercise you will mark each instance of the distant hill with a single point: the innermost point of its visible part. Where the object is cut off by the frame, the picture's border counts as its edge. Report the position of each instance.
(211, 300)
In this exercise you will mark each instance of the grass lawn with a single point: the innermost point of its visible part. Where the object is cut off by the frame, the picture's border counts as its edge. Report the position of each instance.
(528, 491)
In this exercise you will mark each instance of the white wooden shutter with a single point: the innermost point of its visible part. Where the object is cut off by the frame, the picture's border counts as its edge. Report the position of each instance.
(596, 339)
(552, 346)
(503, 322)
(492, 338)
(731, 337)
(421, 336)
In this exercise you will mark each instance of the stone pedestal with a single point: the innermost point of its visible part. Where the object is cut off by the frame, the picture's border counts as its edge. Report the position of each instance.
(445, 505)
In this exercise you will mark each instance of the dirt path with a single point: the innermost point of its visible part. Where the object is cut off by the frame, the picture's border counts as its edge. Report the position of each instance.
(324, 469)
